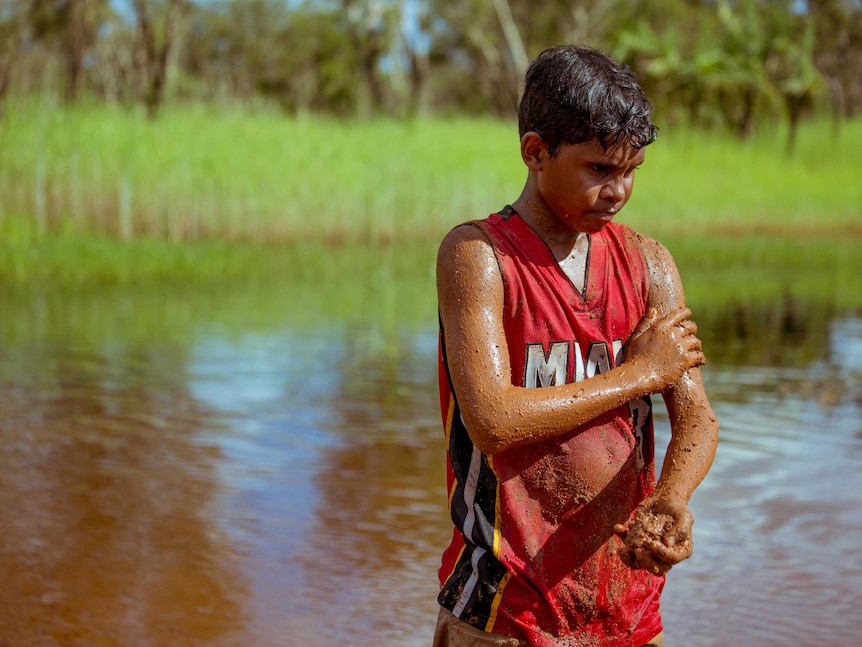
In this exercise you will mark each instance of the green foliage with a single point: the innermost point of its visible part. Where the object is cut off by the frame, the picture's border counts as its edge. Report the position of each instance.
(202, 173)
(695, 182)
(738, 64)
(211, 199)
(239, 175)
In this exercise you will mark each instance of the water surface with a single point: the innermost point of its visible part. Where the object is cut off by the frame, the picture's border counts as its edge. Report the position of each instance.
(216, 469)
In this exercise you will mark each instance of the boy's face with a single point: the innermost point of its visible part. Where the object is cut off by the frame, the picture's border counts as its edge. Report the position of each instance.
(585, 185)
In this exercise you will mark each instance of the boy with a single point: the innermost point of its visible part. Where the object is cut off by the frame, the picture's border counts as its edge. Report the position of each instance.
(556, 325)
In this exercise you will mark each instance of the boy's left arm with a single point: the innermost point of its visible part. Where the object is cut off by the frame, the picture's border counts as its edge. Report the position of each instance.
(659, 536)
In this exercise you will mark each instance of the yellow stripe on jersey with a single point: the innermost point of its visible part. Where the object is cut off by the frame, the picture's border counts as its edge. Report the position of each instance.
(455, 563)
(497, 511)
(450, 415)
(489, 626)
(492, 618)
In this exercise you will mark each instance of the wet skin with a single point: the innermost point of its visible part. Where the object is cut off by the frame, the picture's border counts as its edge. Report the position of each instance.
(579, 191)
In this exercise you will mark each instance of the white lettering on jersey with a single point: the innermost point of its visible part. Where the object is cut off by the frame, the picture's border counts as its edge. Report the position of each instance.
(552, 368)
(640, 411)
(619, 352)
(580, 368)
(598, 360)
(546, 370)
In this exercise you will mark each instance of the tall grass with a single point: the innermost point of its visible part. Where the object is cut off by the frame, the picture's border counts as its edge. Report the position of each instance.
(698, 183)
(96, 195)
(209, 173)
(203, 173)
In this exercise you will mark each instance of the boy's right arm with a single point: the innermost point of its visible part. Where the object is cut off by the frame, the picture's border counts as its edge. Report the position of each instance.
(499, 415)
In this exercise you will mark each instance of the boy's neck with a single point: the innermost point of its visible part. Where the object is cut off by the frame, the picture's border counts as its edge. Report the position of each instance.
(560, 238)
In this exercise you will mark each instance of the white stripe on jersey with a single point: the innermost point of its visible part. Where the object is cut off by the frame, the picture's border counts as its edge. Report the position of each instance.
(478, 553)
(469, 522)
(470, 490)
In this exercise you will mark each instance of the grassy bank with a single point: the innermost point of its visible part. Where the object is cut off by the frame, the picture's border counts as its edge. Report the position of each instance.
(99, 197)
(204, 173)
(200, 173)
(345, 279)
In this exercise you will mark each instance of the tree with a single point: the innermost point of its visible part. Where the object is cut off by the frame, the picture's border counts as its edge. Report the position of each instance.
(733, 63)
(415, 38)
(12, 21)
(742, 82)
(836, 51)
(154, 50)
(370, 29)
(514, 42)
(71, 27)
(790, 67)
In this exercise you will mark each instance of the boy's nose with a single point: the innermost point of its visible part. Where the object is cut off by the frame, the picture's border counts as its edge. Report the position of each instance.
(614, 189)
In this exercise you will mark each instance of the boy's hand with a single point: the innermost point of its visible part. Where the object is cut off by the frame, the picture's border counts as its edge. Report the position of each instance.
(658, 536)
(665, 347)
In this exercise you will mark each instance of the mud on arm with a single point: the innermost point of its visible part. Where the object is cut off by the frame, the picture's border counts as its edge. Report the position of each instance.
(660, 533)
(499, 415)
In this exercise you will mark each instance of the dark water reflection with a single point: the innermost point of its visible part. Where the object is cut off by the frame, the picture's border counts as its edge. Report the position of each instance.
(193, 477)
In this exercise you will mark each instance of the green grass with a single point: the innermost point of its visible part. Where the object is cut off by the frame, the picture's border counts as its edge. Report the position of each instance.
(696, 183)
(96, 196)
(759, 269)
(203, 173)
(209, 173)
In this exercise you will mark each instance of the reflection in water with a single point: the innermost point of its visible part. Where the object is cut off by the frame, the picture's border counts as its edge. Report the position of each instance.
(105, 504)
(778, 518)
(783, 332)
(334, 481)
(283, 485)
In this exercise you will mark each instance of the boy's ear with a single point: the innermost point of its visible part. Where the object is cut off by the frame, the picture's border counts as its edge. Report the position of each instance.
(534, 151)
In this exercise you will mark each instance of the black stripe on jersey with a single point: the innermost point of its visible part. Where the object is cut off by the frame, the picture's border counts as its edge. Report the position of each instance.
(472, 598)
(482, 491)
(470, 589)
(507, 212)
(476, 493)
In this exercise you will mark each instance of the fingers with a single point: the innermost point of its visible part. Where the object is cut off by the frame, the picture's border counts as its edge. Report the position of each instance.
(648, 320)
(688, 326)
(658, 536)
(695, 355)
(641, 558)
(684, 330)
(668, 554)
(667, 344)
(675, 318)
(691, 344)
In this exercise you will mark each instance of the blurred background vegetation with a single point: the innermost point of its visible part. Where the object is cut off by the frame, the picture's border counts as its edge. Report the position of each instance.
(150, 139)
(709, 63)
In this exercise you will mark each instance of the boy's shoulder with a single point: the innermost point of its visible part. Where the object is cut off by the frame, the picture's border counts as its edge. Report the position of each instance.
(634, 238)
(475, 229)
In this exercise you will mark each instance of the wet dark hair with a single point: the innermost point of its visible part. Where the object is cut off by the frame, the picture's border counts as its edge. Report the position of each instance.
(574, 94)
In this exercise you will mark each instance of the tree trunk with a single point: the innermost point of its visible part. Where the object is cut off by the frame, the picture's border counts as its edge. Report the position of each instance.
(417, 74)
(515, 44)
(795, 107)
(74, 46)
(154, 57)
(369, 44)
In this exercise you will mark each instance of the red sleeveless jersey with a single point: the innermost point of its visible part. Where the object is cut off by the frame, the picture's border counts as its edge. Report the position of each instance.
(534, 553)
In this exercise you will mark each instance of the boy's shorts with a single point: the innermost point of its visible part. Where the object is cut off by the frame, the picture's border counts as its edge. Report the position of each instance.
(452, 632)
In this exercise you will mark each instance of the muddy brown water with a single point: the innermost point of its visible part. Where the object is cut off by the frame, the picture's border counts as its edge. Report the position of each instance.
(186, 479)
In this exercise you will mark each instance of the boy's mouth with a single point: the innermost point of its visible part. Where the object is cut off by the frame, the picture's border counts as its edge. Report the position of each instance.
(606, 215)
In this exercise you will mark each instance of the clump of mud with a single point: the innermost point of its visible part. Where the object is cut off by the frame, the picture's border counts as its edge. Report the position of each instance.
(640, 538)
